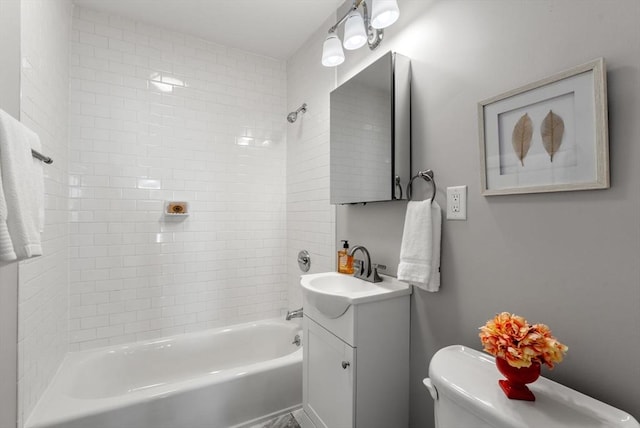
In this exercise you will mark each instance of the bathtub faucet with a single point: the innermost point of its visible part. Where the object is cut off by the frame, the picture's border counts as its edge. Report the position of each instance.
(294, 314)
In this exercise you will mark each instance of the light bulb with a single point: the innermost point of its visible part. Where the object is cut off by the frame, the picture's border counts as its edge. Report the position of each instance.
(332, 53)
(384, 13)
(355, 35)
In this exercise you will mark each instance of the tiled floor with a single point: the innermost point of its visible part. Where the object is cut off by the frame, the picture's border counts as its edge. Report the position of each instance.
(284, 421)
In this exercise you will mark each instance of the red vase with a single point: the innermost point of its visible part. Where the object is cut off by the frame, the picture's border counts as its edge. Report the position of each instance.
(515, 386)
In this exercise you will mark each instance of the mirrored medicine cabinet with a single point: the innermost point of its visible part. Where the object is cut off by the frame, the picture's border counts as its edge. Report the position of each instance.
(370, 133)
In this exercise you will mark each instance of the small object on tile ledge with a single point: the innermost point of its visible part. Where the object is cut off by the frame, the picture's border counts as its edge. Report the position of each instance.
(176, 208)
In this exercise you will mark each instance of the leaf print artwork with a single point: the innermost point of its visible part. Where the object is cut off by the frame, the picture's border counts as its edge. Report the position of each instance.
(552, 130)
(521, 137)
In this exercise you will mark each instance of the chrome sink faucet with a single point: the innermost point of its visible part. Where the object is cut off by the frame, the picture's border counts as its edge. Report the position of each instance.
(366, 271)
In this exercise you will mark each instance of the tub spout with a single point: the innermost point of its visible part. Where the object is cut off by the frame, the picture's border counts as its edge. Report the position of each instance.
(294, 314)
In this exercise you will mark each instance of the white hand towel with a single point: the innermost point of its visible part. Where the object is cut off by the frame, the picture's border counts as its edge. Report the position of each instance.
(420, 250)
(21, 191)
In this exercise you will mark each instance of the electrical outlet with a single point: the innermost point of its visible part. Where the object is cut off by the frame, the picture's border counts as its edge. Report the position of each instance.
(457, 203)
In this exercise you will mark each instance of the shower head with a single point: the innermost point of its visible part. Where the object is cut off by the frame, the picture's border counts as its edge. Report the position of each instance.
(291, 117)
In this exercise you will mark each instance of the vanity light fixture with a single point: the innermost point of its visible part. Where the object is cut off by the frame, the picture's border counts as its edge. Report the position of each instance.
(384, 13)
(332, 53)
(355, 35)
(359, 29)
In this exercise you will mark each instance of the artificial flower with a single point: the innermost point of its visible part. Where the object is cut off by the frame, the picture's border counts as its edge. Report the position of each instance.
(513, 339)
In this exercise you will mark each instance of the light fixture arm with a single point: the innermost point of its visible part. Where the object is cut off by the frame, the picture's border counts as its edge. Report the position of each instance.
(374, 36)
(353, 7)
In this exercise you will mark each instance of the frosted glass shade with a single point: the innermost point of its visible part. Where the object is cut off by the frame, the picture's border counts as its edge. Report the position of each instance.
(332, 53)
(384, 13)
(355, 35)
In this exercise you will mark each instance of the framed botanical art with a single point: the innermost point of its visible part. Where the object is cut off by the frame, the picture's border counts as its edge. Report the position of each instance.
(548, 136)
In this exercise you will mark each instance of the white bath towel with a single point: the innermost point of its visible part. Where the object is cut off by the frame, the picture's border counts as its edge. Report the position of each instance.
(21, 191)
(420, 250)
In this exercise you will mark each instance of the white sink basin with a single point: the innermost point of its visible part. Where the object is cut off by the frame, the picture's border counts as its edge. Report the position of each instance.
(332, 293)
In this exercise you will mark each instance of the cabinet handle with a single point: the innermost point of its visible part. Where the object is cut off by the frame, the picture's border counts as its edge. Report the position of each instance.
(345, 364)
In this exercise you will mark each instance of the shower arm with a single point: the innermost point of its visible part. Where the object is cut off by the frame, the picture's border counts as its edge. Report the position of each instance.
(303, 108)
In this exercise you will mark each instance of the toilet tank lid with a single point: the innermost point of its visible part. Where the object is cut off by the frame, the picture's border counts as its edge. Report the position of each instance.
(470, 378)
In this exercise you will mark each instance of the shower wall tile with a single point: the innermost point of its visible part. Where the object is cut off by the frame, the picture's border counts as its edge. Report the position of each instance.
(310, 217)
(159, 116)
(43, 281)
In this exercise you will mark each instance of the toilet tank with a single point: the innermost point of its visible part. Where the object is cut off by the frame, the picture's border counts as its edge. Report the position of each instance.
(464, 384)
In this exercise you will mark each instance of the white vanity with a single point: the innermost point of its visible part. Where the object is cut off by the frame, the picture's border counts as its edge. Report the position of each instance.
(356, 351)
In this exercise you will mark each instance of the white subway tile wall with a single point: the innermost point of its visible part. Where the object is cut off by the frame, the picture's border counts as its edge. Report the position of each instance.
(43, 281)
(158, 116)
(310, 217)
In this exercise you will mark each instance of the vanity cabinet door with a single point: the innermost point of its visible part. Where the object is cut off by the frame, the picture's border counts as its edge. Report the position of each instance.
(330, 367)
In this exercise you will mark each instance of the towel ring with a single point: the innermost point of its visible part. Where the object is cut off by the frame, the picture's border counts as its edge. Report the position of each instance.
(427, 176)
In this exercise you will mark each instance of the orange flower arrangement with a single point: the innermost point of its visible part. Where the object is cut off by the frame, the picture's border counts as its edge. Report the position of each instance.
(510, 337)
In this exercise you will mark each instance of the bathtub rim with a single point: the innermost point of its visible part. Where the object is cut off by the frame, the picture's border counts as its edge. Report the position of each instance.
(69, 408)
(89, 356)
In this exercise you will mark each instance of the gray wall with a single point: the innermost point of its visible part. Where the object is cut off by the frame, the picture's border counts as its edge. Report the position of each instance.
(570, 259)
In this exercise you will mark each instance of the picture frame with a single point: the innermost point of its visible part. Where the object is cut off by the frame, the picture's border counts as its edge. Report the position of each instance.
(547, 136)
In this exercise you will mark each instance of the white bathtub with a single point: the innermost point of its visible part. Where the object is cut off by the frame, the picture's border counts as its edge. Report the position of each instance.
(227, 377)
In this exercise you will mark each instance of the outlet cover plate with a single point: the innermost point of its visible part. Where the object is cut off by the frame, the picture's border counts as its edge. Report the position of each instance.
(457, 203)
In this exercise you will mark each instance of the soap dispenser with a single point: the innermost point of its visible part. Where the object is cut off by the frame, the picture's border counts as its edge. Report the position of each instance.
(345, 261)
